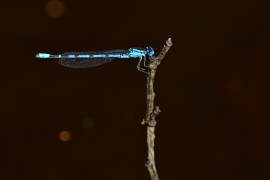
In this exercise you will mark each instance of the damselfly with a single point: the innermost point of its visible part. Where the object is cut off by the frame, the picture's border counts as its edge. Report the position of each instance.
(96, 58)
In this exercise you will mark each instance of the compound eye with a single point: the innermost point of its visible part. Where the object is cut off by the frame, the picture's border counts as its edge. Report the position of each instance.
(150, 51)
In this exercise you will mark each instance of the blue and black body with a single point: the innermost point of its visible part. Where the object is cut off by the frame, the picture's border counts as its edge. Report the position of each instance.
(96, 58)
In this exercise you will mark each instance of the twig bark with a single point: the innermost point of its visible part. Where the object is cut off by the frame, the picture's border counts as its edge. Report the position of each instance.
(151, 114)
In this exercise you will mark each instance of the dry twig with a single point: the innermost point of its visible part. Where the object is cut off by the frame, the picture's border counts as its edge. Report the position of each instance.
(151, 113)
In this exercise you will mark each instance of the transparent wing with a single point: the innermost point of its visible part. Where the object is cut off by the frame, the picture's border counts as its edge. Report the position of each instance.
(88, 62)
(84, 62)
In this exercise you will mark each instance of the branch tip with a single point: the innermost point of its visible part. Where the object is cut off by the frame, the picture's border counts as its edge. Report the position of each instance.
(169, 42)
(143, 122)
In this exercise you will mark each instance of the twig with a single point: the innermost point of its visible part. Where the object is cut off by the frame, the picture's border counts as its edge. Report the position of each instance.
(150, 113)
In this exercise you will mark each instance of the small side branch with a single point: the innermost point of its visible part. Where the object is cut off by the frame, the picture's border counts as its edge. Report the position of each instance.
(150, 118)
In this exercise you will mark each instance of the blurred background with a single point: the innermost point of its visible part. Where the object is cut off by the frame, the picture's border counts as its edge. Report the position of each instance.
(59, 123)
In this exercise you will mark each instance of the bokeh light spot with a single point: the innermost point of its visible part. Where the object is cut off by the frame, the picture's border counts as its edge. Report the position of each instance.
(128, 116)
(64, 136)
(54, 8)
(87, 123)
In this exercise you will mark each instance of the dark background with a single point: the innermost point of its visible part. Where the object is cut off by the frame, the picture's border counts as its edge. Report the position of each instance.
(212, 88)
